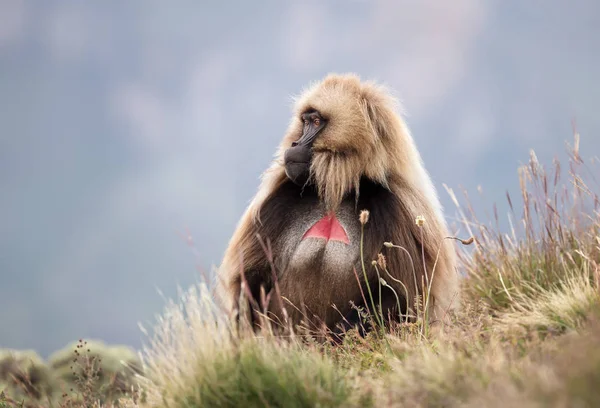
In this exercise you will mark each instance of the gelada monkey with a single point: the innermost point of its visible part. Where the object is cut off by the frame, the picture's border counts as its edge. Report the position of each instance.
(346, 152)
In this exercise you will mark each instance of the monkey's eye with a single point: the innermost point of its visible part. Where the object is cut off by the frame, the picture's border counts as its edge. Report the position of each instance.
(317, 122)
(305, 122)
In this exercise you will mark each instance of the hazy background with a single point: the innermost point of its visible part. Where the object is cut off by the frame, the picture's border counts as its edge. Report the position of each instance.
(124, 123)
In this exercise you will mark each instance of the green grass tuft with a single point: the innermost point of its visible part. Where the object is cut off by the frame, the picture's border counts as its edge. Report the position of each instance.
(266, 375)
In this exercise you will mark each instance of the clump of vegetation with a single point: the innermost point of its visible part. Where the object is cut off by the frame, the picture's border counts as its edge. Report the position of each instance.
(96, 371)
(24, 374)
(83, 374)
(197, 358)
(552, 247)
(527, 329)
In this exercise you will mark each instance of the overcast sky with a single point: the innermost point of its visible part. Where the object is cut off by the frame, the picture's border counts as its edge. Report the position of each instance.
(124, 123)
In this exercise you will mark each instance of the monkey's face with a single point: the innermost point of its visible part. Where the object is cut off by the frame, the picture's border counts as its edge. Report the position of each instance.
(335, 138)
(298, 158)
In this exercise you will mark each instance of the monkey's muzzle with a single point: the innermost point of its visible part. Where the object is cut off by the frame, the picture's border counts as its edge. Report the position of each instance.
(297, 161)
(298, 157)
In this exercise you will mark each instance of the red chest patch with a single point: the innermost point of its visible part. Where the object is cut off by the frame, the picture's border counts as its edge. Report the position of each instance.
(328, 228)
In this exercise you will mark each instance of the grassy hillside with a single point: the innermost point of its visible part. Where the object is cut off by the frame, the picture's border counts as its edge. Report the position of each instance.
(527, 334)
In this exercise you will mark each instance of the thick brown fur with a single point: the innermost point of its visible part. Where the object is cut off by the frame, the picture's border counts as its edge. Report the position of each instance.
(365, 139)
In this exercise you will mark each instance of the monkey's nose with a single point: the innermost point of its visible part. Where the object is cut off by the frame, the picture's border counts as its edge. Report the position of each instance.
(297, 164)
(298, 154)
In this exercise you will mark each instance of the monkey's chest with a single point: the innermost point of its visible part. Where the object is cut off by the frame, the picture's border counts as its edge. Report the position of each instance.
(318, 243)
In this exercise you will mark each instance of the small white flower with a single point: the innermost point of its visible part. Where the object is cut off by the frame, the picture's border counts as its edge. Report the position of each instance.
(420, 221)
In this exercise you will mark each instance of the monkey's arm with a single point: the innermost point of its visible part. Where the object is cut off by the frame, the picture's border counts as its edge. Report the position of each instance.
(244, 260)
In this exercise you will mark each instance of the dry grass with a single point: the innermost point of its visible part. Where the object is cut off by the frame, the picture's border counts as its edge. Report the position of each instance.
(526, 336)
(553, 240)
